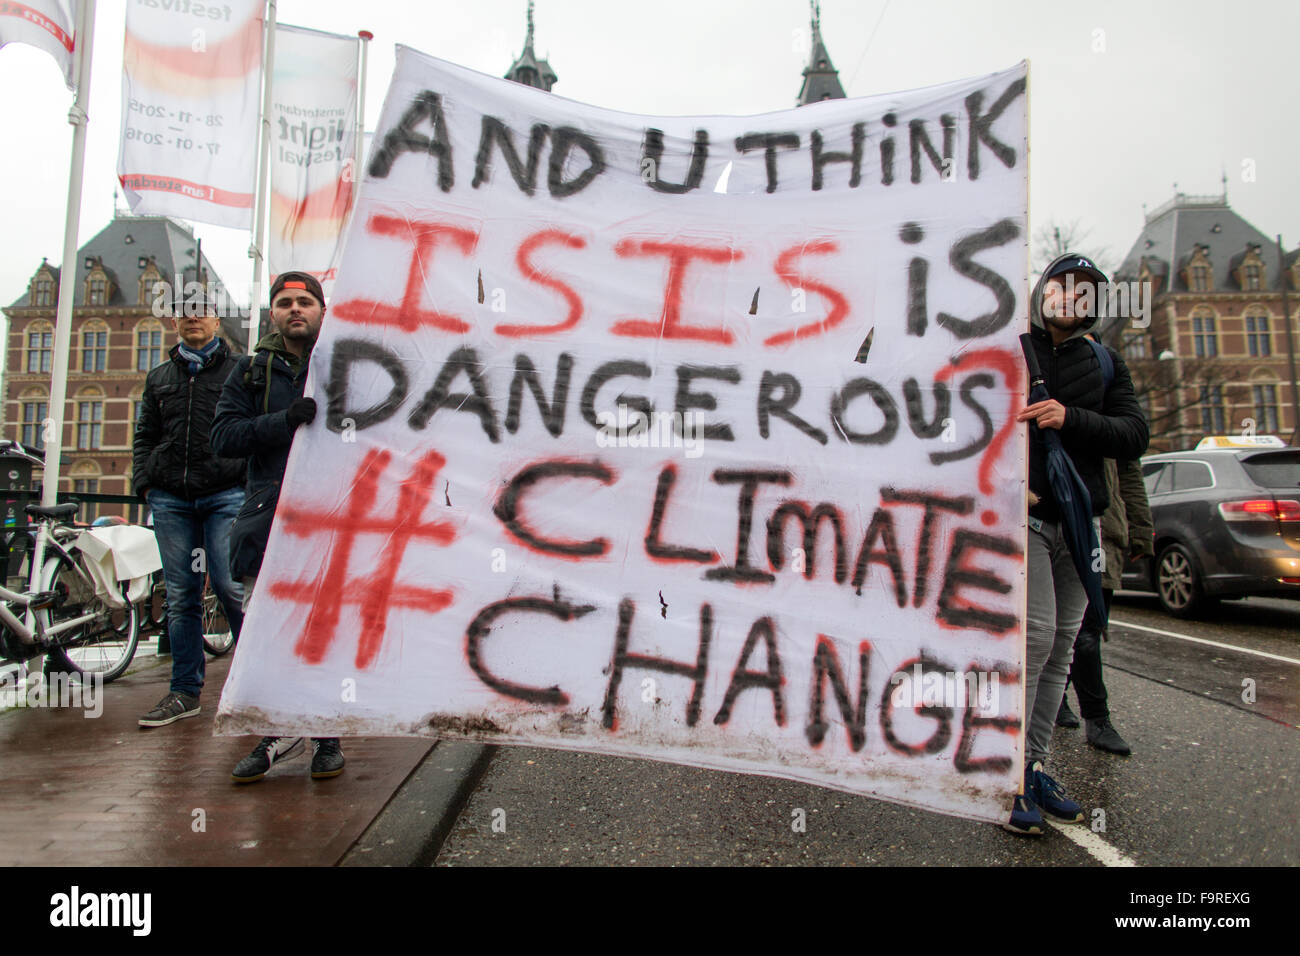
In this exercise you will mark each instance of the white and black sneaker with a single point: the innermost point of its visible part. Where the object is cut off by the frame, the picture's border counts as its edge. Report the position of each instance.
(269, 751)
(170, 709)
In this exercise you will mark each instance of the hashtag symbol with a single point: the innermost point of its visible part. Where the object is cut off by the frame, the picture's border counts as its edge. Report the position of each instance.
(326, 594)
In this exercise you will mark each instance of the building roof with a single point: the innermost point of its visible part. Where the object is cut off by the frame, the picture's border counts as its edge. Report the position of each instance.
(123, 244)
(530, 69)
(1172, 233)
(821, 81)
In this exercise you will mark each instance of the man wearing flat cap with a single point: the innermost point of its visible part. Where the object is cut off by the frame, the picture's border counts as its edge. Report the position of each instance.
(261, 407)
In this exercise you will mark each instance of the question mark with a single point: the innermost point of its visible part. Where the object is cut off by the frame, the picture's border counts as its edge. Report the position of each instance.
(1008, 364)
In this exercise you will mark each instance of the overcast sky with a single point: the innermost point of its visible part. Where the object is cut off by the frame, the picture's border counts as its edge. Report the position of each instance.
(1126, 98)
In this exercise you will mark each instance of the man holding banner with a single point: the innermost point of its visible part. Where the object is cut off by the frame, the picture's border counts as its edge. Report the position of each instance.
(260, 409)
(1098, 417)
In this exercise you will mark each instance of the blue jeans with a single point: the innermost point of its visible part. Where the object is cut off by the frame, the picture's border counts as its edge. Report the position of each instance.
(194, 537)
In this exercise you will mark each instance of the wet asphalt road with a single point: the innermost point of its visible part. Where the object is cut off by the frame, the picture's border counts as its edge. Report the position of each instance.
(1211, 780)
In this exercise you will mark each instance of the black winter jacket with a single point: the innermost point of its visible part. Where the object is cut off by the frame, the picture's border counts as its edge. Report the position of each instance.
(252, 421)
(1100, 423)
(171, 449)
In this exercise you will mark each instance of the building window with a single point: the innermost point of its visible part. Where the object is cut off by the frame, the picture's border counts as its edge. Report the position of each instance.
(90, 422)
(97, 291)
(1200, 278)
(148, 346)
(43, 292)
(1252, 277)
(1134, 347)
(1257, 339)
(34, 415)
(40, 348)
(1212, 417)
(94, 349)
(1265, 397)
(1204, 336)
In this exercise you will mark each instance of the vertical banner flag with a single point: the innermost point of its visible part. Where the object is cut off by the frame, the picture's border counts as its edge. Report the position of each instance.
(45, 24)
(191, 77)
(687, 438)
(313, 149)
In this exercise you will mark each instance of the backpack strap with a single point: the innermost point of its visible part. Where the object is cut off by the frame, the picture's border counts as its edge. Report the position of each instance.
(1106, 362)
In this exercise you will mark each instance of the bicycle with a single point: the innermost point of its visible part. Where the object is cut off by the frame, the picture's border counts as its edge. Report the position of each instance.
(70, 622)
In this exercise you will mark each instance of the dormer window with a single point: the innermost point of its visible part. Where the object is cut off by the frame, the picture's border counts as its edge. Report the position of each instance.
(1252, 277)
(149, 279)
(1197, 275)
(43, 291)
(97, 291)
(1200, 279)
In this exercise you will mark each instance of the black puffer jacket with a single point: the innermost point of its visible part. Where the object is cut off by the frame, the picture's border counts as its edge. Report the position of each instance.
(1100, 423)
(171, 449)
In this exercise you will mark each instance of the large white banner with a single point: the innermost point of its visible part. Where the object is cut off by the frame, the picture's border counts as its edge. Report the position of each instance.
(689, 438)
(191, 78)
(45, 24)
(313, 149)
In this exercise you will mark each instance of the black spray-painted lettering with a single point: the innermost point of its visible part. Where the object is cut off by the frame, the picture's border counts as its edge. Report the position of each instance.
(956, 575)
(624, 659)
(769, 143)
(853, 157)
(769, 404)
(507, 507)
(687, 399)
(749, 481)
(563, 141)
(481, 626)
(853, 389)
(826, 666)
(652, 148)
(961, 258)
(743, 679)
(811, 521)
(980, 126)
(347, 353)
(968, 385)
(920, 142)
(403, 138)
(463, 360)
(524, 172)
(654, 546)
(552, 411)
(882, 527)
(933, 504)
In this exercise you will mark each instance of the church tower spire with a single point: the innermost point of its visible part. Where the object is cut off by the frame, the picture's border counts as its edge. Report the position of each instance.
(528, 69)
(821, 81)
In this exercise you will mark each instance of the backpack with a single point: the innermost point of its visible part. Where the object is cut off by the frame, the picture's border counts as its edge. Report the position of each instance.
(1106, 362)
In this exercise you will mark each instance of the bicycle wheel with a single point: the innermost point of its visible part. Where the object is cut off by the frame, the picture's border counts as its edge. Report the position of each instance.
(104, 645)
(218, 638)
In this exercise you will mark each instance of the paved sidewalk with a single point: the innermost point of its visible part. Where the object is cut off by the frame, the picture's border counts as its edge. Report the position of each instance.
(106, 792)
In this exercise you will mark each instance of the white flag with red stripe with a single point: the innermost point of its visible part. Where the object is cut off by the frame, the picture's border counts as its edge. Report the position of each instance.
(191, 76)
(44, 24)
(313, 149)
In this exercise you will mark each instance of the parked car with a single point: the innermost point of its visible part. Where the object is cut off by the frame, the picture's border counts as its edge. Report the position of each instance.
(1227, 525)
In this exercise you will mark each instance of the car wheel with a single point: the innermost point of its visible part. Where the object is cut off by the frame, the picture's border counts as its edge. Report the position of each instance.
(1178, 583)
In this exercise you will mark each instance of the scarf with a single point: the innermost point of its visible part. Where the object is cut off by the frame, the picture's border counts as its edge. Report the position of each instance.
(197, 358)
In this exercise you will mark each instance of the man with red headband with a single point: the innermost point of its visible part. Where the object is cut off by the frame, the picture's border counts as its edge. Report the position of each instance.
(261, 407)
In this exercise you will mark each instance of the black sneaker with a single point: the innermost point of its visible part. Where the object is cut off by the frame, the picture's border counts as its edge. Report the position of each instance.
(327, 758)
(1104, 737)
(1065, 717)
(170, 709)
(269, 751)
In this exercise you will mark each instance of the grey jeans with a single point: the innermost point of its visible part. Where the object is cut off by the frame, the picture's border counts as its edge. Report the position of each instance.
(1055, 606)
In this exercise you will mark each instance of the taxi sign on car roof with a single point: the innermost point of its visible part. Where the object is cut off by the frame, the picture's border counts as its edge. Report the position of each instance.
(1240, 441)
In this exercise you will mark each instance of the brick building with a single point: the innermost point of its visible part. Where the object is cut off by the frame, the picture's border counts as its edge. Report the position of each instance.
(1215, 358)
(118, 334)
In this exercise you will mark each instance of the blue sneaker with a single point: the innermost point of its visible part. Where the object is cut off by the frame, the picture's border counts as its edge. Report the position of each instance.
(1050, 795)
(1025, 818)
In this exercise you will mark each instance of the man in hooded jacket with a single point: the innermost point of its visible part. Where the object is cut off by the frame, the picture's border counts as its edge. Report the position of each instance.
(1098, 417)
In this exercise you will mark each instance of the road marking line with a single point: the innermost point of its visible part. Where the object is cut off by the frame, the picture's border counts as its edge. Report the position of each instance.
(1101, 851)
(1201, 640)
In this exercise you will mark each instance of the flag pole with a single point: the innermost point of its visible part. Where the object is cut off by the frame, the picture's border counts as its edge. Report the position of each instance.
(357, 172)
(256, 250)
(78, 117)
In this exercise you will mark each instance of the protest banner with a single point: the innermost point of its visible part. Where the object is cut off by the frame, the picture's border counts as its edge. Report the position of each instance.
(313, 149)
(44, 24)
(688, 438)
(191, 78)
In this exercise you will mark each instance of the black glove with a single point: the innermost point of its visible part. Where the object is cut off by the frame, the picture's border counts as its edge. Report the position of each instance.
(302, 411)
